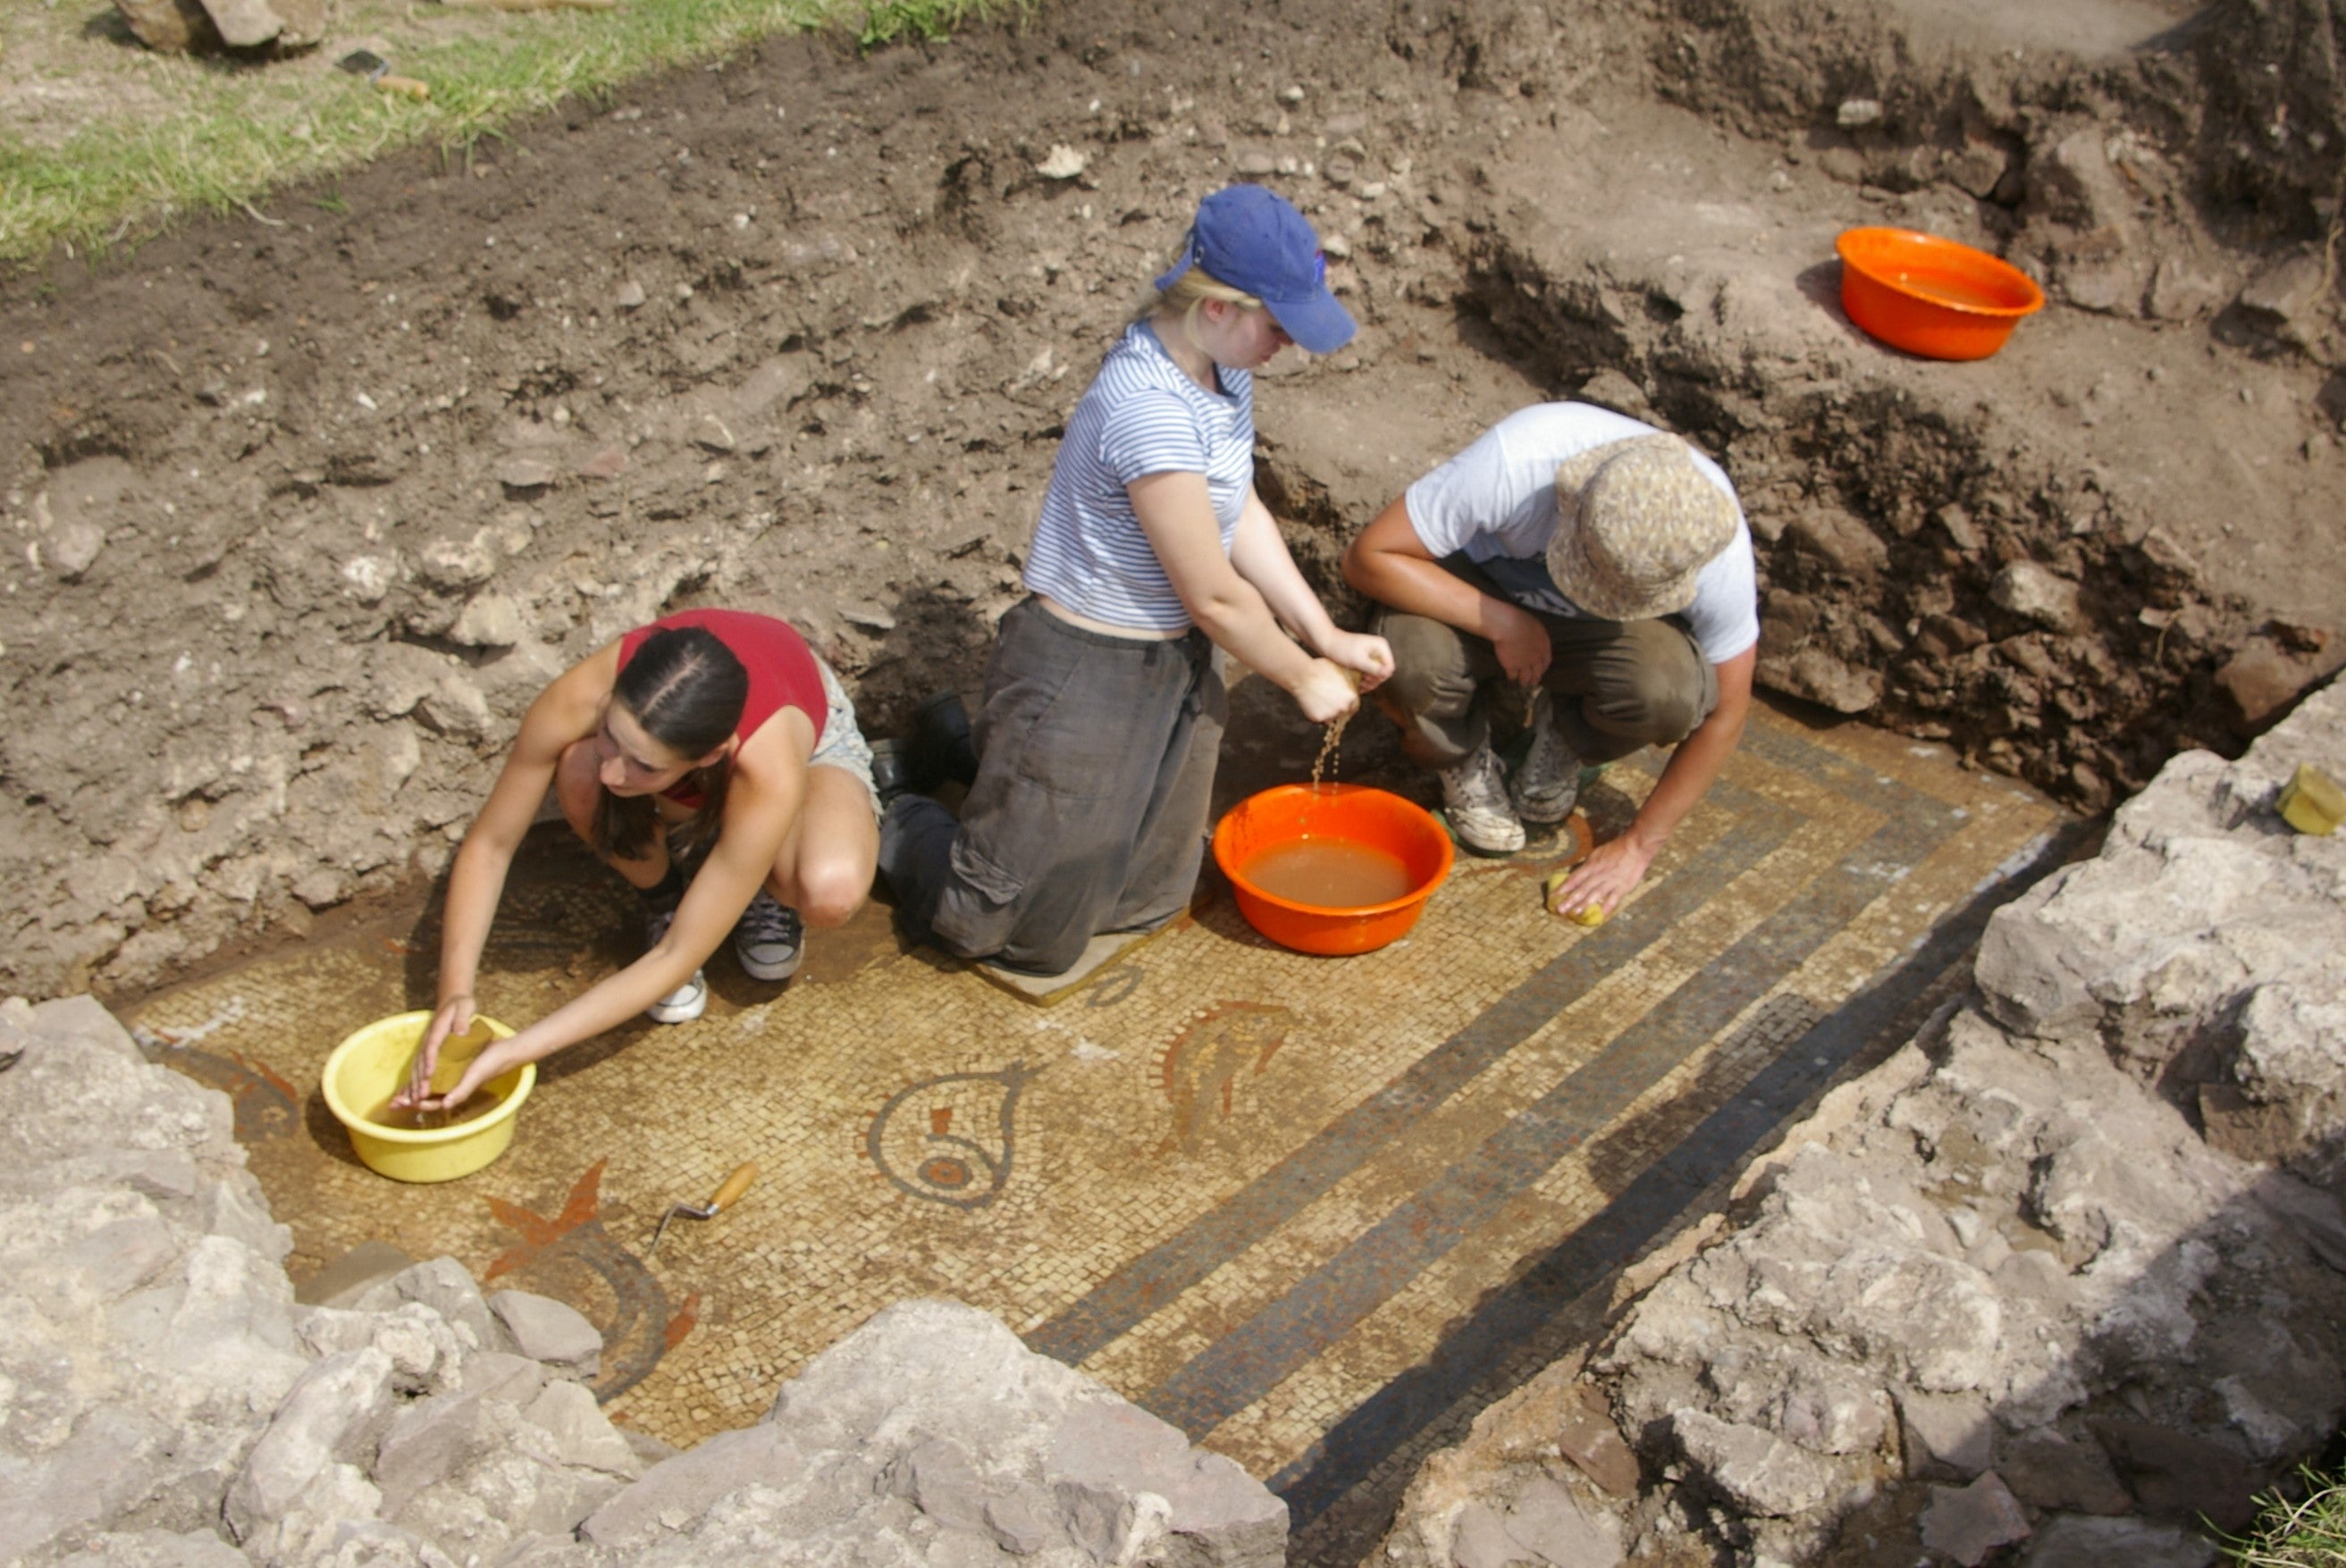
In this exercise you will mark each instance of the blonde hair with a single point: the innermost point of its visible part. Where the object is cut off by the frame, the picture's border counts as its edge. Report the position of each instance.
(1188, 295)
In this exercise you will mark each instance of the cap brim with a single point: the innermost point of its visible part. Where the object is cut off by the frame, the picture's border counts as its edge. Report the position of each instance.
(1318, 324)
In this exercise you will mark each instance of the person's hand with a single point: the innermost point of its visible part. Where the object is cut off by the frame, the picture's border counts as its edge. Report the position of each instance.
(1367, 657)
(1610, 873)
(499, 1057)
(1325, 693)
(454, 1016)
(1523, 648)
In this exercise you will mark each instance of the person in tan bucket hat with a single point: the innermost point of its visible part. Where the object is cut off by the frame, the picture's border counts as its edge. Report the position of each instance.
(1605, 567)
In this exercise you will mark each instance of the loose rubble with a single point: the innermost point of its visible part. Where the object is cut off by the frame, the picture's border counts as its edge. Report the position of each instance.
(165, 1402)
(2065, 1275)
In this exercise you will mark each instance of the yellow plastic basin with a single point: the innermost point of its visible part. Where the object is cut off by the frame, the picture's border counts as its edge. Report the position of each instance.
(369, 1067)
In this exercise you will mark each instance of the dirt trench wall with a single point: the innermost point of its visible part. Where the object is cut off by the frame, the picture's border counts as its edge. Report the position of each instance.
(311, 506)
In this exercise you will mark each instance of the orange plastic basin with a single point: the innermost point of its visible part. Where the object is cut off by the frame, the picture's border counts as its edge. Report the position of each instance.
(1281, 816)
(1931, 296)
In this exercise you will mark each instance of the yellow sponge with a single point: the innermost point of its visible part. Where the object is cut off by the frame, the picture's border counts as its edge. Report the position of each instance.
(2312, 803)
(1587, 914)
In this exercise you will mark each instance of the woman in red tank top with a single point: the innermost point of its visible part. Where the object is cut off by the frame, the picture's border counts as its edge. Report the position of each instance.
(713, 737)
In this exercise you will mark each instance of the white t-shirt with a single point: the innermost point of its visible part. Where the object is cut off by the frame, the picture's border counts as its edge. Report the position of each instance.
(1497, 502)
(1142, 414)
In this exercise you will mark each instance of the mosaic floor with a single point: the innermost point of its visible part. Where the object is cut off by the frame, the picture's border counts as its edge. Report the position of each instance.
(1301, 1208)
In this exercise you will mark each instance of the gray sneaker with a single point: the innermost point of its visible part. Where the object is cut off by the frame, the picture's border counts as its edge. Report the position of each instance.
(1547, 783)
(1475, 793)
(687, 1002)
(768, 939)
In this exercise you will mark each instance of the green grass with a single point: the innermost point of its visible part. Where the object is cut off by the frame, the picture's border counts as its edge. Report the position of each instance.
(2307, 1534)
(174, 134)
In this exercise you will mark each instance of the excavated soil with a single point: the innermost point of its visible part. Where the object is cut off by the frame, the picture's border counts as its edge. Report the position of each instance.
(309, 503)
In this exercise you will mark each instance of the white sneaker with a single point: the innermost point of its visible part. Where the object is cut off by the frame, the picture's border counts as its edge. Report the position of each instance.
(687, 1002)
(1475, 793)
(768, 939)
(1548, 786)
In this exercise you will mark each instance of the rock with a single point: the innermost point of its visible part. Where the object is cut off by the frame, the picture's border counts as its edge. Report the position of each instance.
(1613, 390)
(1815, 676)
(455, 705)
(332, 1415)
(550, 1332)
(73, 546)
(2284, 299)
(2065, 1541)
(488, 620)
(1755, 1469)
(2181, 292)
(1253, 161)
(609, 464)
(2179, 1473)
(1969, 1523)
(1840, 543)
(2047, 1469)
(442, 1285)
(1854, 113)
(689, 1486)
(2037, 593)
(1063, 162)
(248, 24)
(159, 1549)
(1588, 1438)
(630, 296)
(519, 476)
(1946, 1434)
(2259, 683)
(172, 26)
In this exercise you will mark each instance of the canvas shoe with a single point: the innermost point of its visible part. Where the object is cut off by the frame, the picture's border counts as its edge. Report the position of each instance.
(768, 939)
(687, 1002)
(1475, 793)
(1547, 782)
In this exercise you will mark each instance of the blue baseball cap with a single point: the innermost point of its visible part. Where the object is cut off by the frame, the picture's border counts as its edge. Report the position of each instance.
(1250, 238)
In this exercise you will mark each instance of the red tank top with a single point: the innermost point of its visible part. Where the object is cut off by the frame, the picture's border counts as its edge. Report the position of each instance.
(782, 670)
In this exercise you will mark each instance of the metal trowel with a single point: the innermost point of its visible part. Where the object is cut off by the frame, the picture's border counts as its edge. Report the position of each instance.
(377, 71)
(735, 1185)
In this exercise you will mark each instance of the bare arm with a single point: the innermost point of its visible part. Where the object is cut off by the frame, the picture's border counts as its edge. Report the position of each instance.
(1176, 514)
(565, 712)
(1391, 565)
(761, 801)
(1609, 874)
(1258, 552)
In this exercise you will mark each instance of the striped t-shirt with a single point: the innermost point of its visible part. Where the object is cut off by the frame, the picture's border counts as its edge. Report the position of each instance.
(1141, 415)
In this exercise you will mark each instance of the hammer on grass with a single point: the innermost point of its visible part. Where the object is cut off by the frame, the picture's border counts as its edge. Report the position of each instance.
(377, 71)
(735, 1185)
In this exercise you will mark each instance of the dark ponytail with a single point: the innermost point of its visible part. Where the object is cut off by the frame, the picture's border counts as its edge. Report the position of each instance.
(686, 690)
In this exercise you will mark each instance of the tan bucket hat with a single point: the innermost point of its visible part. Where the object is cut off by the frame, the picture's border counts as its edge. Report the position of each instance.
(1635, 521)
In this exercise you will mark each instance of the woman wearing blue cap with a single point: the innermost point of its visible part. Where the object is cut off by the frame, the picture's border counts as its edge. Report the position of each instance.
(1102, 711)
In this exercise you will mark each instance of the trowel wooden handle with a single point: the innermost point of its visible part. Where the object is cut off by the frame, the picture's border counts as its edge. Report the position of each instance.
(735, 1185)
(407, 87)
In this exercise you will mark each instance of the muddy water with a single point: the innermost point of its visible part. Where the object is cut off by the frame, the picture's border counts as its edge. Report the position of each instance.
(410, 1119)
(1330, 873)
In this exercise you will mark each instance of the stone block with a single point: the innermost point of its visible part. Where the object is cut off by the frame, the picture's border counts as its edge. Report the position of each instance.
(333, 1414)
(1756, 1469)
(677, 1493)
(2179, 1474)
(1969, 1523)
(2068, 1540)
(1946, 1434)
(442, 1285)
(549, 1331)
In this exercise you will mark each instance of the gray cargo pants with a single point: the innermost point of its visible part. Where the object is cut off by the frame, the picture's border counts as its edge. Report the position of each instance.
(1620, 686)
(1096, 773)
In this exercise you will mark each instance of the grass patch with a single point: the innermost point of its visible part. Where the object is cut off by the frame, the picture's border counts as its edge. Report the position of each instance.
(2307, 1534)
(102, 139)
